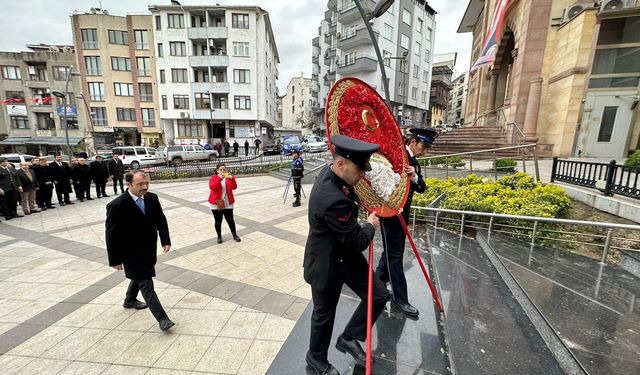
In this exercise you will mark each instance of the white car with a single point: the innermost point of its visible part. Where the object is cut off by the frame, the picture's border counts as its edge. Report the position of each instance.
(136, 156)
(314, 144)
(16, 159)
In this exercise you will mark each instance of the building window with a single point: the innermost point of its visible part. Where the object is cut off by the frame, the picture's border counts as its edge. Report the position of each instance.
(89, 38)
(123, 89)
(158, 23)
(387, 31)
(96, 91)
(606, 124)
(404, 41)
(401, 89)
(99, 115)
(419, 24)
(11, 72)
(19, 122)
(141, 38)
(160, 52)
(60, 73)
(349, 58)
(44, 121)
(416, 71)
(17, 96)
(429, 32)
(175, 21)
(239, 21)
(121, 63)
(181, 101)
(418, 49)
(425, 76)
(148, 117)
(427, 55)
(403, 66)
(177, 49)
(189, 129)
(219, 102)
(118, 37)
(414, 93)
(146, 92)
(179, 75)
(241, 76)
(241, 49)
(144, 66)
(37, 73)
(203, 100)
(162, 77)
(424, 97)
(616, 60)
(126, 114)
(164, 102)
(241, 102)
(93, 65)
(406, 16)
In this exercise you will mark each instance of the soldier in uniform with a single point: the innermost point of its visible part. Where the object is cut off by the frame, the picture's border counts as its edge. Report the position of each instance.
(297, 172)
(10, 189)
(390, 265)
(333, 254)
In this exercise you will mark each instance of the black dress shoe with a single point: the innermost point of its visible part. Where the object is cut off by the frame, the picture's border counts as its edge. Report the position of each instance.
(16, 215)
(69, 203)
(104, 195)
(236, 238)
(353, 348)
(50, 207)
(135, 305)
(90, 199)
(81, 200)
(219, 239)
(165, 324)
(406, 309)
(7, 217)
(315, 367)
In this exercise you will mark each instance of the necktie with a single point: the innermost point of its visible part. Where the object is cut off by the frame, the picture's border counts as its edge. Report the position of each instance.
(140, 204)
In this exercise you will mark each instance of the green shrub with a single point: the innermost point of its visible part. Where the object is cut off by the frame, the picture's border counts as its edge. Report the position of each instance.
(504, 165)
(633, 160)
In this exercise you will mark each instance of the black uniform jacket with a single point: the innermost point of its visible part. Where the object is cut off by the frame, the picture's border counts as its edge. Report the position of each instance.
(335, 240)
(9, 180)
(132, 236)
(414, 187)
(62, 175)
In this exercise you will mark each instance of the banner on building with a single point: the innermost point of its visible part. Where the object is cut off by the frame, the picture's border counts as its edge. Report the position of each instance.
(490, 45)
(17, 110)
(72, 110)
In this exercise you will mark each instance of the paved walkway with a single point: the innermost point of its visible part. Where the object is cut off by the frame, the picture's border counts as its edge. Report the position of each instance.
(234, 304)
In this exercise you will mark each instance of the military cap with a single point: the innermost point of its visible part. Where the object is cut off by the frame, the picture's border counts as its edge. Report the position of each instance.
(427, 135)
(355, 150)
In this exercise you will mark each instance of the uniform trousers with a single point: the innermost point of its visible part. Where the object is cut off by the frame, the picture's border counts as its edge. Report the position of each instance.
(149, 295)
(324, 311)
(101, 188)
(9, 203)
(297, 186)
(394, 241)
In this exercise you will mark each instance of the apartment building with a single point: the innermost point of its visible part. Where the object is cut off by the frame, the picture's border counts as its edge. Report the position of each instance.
(405, 35)
(441, 75)
(31, 116)
(115, 57)
(217, 70)
(458, 99)
(297, 105)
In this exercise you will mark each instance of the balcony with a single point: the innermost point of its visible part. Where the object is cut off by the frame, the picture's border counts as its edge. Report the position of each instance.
(349, 13)
(209, 60)
(216, 114)
(316, 42)
(327, 15)
(353, 39)
(208, 32)
(315, 59)
(360, 64)
(329, 55)
(212, 87)
(332, 27)
(328, 37)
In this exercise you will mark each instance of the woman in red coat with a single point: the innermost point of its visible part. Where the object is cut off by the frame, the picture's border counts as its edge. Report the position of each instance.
(221, 186)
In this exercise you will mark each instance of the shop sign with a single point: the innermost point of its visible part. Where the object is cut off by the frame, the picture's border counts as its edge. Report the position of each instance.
(17, 110)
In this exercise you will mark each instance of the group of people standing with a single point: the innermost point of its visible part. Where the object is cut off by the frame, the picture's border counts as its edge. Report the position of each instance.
(224, 147)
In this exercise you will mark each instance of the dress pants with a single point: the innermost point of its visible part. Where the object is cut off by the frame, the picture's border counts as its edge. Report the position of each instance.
(63, 198)
(148, 294)
(101, 188)
(324, 311)
(28, 200)
(9, 203)
(115, 185)
(43, 196)
(297, 186)
(394, 241)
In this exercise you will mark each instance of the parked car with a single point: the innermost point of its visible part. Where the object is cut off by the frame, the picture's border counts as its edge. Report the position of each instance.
(105, 157)
(271, 149)
(136, 156)
(181, 153)
(16, 159)
(291, 143)
(314, 144)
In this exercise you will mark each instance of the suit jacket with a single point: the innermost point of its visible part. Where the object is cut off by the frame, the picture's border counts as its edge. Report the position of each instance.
(9, 180)
(27, 184)
(336, 240)
(132, 236)
(62, 175)
(44, 175)
(99, 172)
(116, 168)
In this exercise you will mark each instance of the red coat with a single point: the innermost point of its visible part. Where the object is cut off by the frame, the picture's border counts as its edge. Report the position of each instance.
(215, 187)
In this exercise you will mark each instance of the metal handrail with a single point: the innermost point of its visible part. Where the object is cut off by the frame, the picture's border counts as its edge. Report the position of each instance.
(531, 145)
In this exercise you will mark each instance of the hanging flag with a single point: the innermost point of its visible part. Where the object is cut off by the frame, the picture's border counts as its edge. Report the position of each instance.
(490, 45)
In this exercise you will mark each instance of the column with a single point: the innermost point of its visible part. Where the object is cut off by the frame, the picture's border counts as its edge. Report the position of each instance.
(533, 108)
(493, 89)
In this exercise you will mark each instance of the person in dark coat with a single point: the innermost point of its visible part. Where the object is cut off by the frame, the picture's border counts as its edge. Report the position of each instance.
(333, 255)
(135, 250)
(100, 175)
(82, 180)
(29, 183)
(297, 172)
(116, 171)
(62, 180)
(10, 189)
(45, 177)
(227, 146)
(246, 147)
(390, 267)
(257, 143)
(236, 147)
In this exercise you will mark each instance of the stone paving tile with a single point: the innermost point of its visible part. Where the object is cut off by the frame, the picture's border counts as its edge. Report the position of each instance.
(11, 364)
(84, 368)
(243, 325)
(146, 350)
(262, 353)
(44, 366)
(75, 344)
(225, 355)
(110, 347)
(198, 322)
(185, 352)
(125, 370)
(44, 340)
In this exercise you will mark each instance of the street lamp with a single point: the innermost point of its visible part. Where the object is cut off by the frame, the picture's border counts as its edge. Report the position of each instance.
(64, 95)
(86, 106)
(404, 69)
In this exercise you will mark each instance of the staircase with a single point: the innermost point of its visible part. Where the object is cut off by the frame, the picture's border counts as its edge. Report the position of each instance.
(469, 139)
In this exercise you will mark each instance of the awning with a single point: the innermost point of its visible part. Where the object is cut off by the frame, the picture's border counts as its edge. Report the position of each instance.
(15, 141)
(56, 141)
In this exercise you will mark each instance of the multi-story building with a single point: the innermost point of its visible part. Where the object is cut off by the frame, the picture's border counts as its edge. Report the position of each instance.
(32, 117)
(458, 99)
(441, 74)
(116, 61)
(405, 35)
(218, 69)
(296, 106)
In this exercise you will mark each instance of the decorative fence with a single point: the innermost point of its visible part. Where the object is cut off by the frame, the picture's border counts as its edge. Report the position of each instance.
(609, 178)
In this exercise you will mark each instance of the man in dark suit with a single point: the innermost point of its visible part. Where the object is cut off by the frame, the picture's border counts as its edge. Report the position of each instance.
(81, 175)
(100, 175)
(45, 177)
(62, 173)
(333, 255)
(116, 171)
(390, 266)
(10, 189)
(134, 220)
(29, 183)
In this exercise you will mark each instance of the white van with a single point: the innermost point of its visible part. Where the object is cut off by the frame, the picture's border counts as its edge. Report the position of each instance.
(16, 159)
(136, 156)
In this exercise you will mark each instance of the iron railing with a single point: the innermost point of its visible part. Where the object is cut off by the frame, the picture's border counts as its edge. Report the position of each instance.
(609, 178)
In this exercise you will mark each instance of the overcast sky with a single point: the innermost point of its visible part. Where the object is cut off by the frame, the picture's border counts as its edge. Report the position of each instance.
(295, 23)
